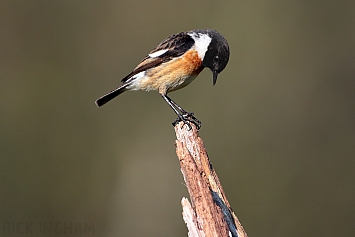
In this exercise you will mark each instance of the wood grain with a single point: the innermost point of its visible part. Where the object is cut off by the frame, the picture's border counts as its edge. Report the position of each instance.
(209, 213)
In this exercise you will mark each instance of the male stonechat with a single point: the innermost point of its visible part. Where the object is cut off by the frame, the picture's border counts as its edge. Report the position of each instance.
(174, 64)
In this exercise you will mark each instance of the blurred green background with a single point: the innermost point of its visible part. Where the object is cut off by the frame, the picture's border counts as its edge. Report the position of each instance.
(279, 125)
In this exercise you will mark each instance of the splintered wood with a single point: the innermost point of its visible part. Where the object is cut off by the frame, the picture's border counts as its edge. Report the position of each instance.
(209, 213)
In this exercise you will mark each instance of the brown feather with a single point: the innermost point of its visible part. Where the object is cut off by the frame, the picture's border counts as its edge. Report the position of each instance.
(176, 45)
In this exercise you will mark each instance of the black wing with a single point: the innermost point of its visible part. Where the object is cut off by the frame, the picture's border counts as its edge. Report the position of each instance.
(176, 45)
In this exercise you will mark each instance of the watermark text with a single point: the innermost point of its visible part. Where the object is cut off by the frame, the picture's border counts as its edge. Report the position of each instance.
(45, 228)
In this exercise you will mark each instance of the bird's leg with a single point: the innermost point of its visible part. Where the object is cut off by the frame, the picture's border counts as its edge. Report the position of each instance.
(180, 113)
(187, 114)
(184, 116)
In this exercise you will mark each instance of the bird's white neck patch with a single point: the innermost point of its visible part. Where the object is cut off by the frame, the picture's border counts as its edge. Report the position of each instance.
(202, 41)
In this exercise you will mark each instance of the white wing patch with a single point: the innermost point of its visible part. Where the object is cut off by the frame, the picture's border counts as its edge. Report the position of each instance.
(158, 53)
(202, 41)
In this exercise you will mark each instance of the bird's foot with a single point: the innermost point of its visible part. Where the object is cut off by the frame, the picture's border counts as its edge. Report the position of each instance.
(188, 118)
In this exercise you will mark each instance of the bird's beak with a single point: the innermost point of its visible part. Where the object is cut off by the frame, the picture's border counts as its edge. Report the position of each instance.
(215, 74)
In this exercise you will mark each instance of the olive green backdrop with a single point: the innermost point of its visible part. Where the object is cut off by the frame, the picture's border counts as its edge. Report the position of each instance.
(279, 125)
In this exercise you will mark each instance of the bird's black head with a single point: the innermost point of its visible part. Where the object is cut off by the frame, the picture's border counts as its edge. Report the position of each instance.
(217, 54)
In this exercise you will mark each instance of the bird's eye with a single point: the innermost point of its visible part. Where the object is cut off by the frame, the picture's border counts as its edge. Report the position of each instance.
(215, 59)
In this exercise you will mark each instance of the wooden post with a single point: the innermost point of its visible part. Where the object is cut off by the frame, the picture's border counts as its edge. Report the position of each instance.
(209, 213)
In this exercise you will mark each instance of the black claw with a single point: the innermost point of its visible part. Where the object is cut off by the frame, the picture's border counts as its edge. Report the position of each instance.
(183, 116)
(188, 118)
(176, 121)
(187, 122)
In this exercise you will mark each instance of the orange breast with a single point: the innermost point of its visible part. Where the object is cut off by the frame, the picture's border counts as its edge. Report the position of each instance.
(174, 74)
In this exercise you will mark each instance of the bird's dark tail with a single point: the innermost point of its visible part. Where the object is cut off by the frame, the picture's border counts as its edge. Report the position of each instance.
(106, 98)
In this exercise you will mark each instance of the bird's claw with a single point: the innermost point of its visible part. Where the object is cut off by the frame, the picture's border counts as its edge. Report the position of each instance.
(188, 118)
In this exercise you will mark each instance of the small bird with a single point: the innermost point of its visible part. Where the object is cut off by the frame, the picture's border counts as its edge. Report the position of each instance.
(174, 64)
